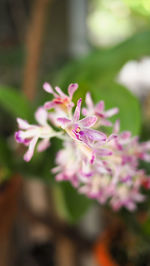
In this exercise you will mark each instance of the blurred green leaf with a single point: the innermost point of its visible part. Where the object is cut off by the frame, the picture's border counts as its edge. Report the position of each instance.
(5, 154)
(102, 65)
(69, 203)
(15, 102)
(6, 163)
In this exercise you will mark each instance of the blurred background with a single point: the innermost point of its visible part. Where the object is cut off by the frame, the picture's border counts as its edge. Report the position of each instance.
(104, 46)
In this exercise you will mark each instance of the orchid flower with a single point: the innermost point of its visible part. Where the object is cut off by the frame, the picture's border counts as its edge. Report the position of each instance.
(29, 134)
(81, 129)
(103, 167)
(61, 100)
(99, 111)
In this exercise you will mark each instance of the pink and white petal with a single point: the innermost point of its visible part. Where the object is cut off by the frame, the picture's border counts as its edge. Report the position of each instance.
(99, 108)
(43, 145)
(60, 177)
(71, 89)
(116, 127)
(55, 169)
(18, 136)
(125, 135)
(89, 101)
(48, 88)
(95, 135)
(138, 197)
(76, 115)
(130, 206)
(88, 121)
(63, 121)
(112, 137)
(60, 92)
(28, 155)
(22, 124)
(84, 111)
(106, 123)
(84, 189)
(41, 116)
(103, 152)
(49, 105)
(146, 145)
(146, 157)
(111, 112)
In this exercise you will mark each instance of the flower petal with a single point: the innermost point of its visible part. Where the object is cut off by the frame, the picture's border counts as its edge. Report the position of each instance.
(71, 89)
(77, 110)
(18, 137)
(105, 122)
(116, 127)
(41, 116)
(103, 152)
(111, 112)
(43, 145)
(28, 155)
(89, 101)
(112, 137)
(48, 88)
(99, 108)
(84, 111)
(88, 121)
(60, 92)
(63, 121)
(95, 135)
(49, 105)
(23, 124)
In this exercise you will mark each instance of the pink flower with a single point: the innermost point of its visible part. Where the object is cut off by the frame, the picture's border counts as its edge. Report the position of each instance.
(101, 167)
(61, 100)
(29, 134)
(81, 129)
(99, 111)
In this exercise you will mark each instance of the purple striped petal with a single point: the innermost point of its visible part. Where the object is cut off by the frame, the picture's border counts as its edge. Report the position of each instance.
(88, 121)
(95, 135)
(63, 122)
(103, 152)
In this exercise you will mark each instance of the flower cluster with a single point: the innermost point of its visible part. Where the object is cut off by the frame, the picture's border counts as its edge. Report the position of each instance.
(102, 167)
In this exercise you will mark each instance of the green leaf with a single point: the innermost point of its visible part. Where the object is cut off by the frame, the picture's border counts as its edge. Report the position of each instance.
(69, 203)
(104, 64)
(5, 154)
(15, 103)
(6, 162)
